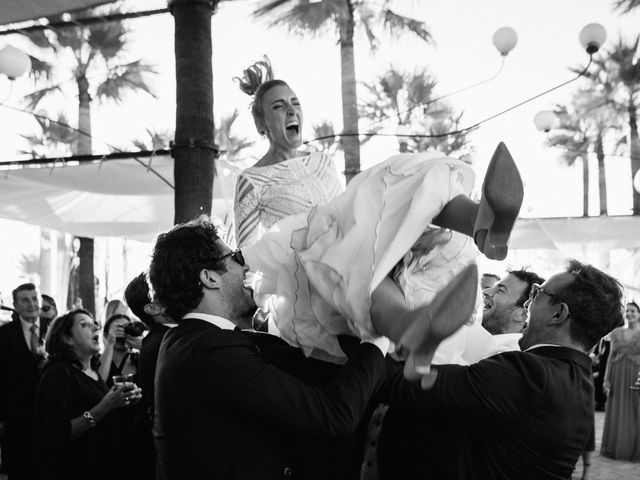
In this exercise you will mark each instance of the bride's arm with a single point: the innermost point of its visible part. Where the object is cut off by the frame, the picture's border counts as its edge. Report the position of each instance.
(245, 209)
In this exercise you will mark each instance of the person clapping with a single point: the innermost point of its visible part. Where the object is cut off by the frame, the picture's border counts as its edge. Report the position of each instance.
(75, 429)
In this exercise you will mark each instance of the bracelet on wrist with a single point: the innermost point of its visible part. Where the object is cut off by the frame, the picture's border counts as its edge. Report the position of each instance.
(89, 418)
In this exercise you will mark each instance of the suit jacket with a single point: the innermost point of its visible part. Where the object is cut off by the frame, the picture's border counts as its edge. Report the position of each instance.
(524, 415)
(19, 376)
(147, 362)
(223, 411)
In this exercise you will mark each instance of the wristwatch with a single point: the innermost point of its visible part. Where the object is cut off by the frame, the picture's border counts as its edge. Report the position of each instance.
(89, 418)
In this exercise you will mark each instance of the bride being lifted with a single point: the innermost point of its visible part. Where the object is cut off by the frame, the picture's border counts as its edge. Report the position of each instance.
(390, 256)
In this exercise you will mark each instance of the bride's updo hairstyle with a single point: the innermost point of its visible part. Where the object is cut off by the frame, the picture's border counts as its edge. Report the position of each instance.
(256, 81)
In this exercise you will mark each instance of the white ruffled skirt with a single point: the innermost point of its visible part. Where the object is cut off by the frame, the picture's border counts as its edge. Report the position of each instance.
(317, 270)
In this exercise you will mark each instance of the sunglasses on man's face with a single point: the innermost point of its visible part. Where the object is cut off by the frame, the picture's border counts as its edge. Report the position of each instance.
(46, 308)
(236, 256)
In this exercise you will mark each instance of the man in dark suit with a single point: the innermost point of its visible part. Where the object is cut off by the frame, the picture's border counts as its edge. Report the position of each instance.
(222, 410)
(518, 415)
(21, 351)
(151, 313)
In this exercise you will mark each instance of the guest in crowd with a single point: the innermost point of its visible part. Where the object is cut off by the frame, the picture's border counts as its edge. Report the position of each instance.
(222, 411)
(504, 314)
(49, 309)
(76, 431)
(286, 180)
(621, 435)
(115, 307)
(139, 300)
(120, 355)
(21, 351)
(152, 315)
(525, 415)
(120, 358)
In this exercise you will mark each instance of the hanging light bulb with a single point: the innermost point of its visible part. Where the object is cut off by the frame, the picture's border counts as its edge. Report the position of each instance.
(13, 62)
(505, 39)
(592, 37)
(545, 120)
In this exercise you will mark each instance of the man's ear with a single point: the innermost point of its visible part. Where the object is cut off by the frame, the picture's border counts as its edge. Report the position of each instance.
(210, 279)
(519, 316)
(153, 308)
(560, 314)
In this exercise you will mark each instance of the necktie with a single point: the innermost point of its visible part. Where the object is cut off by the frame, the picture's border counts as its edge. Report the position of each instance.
(35, 339)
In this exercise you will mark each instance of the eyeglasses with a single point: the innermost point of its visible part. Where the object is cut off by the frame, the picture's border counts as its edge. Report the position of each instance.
(236, 256)
(46, 308)
(536, 290)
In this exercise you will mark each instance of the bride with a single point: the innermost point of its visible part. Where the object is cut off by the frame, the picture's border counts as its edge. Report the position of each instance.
(390, 256)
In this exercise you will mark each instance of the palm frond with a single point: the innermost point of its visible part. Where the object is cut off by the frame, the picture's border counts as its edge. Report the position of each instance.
(128, 77)
(34, 98)
(109, 39)
(396, 23)
(625, 6)
(300, 17)
(40, 69)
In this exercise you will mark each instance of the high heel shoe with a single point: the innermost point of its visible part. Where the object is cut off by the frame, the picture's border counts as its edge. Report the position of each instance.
(447, 312)
(502, 195)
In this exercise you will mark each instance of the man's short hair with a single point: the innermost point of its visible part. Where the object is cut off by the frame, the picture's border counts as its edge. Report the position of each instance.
(529, 278)
(50, 300)
(137, 295)
(177, 260)
(595, 303)
(22, 288)
(491, 275)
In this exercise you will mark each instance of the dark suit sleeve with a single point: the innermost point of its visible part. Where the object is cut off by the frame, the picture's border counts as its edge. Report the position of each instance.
(499, 387)
(258, 390)
(4, 374)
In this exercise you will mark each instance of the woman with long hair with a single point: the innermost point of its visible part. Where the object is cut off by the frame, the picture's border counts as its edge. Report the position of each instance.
(75, 429)
(621, 435)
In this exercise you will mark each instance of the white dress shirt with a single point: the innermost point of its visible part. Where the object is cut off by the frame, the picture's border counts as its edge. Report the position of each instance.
(223, 323)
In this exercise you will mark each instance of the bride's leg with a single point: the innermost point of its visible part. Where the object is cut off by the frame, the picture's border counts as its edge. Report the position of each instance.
(420, 331)
(489, 222)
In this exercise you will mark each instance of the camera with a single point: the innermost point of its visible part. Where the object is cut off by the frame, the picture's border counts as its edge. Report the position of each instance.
(135, 329)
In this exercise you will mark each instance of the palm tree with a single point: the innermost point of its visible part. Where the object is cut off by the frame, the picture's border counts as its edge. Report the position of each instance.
(326, 133)
(343, 16)
(194, 149)
(97, 52)
(54, 139)
(627, 6)
(585, 125)
(617, 73)
(409, 99)
(231, 146)
(572, 137)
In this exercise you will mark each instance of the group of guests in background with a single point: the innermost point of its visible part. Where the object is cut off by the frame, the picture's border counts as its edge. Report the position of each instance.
(201, 394)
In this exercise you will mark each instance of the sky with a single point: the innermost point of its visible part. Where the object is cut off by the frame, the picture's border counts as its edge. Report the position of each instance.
(461, 55)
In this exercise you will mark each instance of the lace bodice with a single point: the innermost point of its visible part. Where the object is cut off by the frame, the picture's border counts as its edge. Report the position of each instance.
(625, 343)
(265, 195)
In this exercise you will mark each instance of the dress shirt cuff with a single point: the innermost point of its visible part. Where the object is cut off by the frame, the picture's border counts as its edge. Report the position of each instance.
(382, 343)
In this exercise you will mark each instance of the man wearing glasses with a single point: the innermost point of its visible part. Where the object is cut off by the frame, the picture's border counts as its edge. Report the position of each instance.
(525, 415)
(48, 310)
(222, 410)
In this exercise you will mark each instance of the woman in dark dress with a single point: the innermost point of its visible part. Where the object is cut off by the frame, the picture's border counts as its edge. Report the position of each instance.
(76, 432)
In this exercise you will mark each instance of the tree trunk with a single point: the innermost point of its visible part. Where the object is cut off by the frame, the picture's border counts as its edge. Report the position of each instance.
(351, 143)
(194, 140)
(634, 147)
(602, 178)
(87, 286)
(85, 277)
(585, 186)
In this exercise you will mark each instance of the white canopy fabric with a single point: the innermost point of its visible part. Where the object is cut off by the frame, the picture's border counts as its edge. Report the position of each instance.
(116, 198)
(123, 198)
(14, 11)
